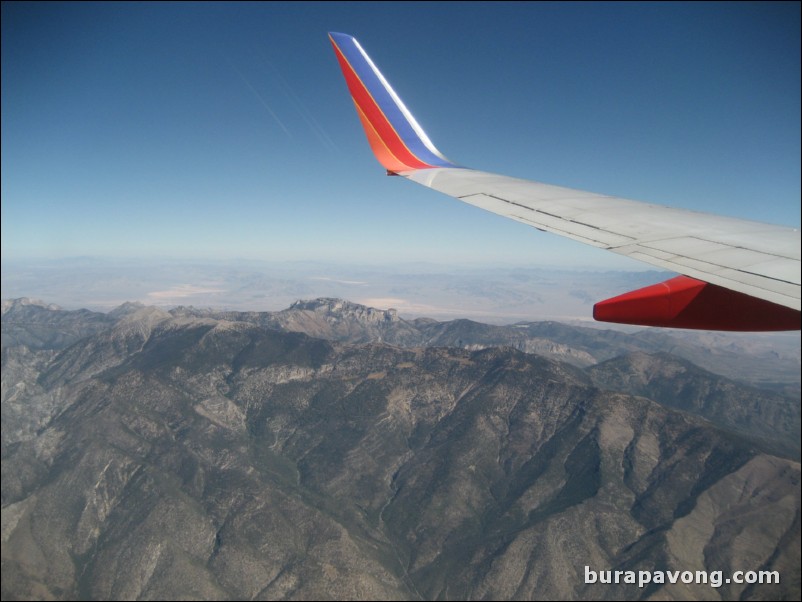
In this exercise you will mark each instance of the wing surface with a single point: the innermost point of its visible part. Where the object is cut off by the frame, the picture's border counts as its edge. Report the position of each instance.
(753, 268)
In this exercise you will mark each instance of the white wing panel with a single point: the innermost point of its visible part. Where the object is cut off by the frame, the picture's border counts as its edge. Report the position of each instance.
(757, 259)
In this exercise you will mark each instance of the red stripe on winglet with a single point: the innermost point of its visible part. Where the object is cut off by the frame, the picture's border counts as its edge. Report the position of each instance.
(375, 116)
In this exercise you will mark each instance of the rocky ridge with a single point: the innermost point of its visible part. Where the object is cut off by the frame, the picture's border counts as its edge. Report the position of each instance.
(189, 455)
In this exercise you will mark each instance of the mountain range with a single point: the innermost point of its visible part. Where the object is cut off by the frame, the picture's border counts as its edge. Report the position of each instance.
(331, 451)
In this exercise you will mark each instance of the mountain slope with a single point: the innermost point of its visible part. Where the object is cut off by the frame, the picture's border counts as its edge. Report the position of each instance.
(676, 383)
(208, 458)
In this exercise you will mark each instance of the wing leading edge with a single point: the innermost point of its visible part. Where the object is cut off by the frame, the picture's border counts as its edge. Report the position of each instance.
(736, 274)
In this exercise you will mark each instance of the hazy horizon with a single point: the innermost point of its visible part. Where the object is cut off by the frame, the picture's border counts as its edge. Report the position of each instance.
(491, 292)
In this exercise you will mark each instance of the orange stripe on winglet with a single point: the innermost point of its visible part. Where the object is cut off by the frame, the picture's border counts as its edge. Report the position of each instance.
(371, 112)
(385, 156)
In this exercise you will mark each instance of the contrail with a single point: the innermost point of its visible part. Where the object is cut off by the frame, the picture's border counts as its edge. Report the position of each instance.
(305, 114)
(264, 103)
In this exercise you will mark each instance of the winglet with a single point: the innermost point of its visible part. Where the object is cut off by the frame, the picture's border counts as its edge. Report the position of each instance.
(398, 142)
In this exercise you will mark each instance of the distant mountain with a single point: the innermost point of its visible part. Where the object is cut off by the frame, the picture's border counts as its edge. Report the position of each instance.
(38, 325)
(346, 322)
(184, 455)
(332, 319)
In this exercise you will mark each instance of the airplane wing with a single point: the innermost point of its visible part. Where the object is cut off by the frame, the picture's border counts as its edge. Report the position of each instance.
(734, 274)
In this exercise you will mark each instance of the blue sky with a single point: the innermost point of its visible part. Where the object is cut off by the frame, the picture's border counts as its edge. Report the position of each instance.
(224, 130)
